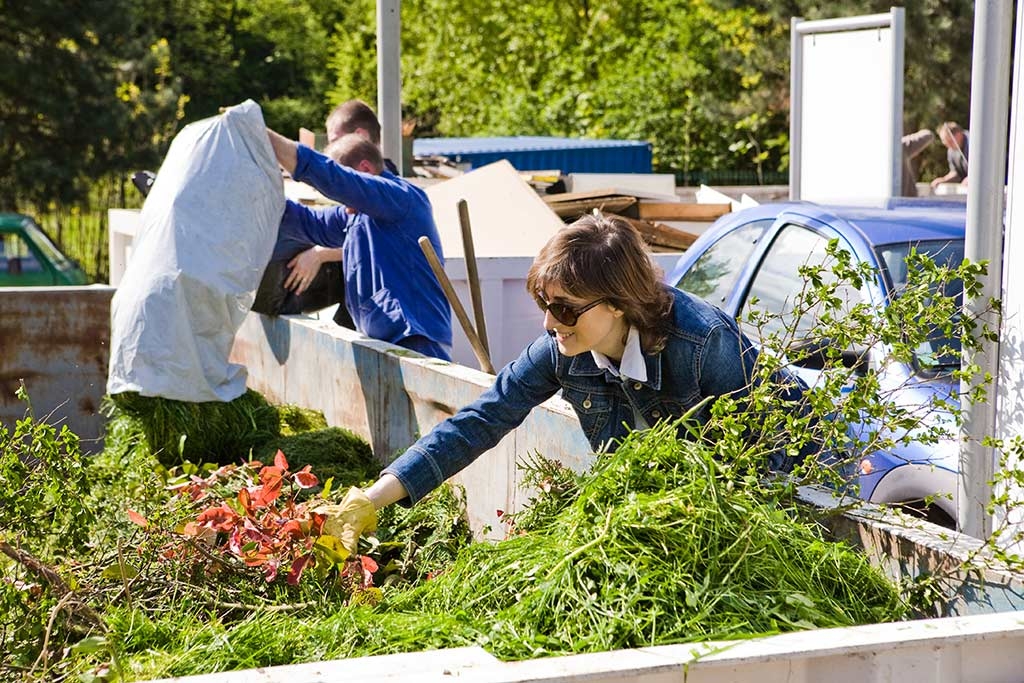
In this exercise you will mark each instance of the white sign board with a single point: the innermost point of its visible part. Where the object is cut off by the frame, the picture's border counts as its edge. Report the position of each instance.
(847, 108)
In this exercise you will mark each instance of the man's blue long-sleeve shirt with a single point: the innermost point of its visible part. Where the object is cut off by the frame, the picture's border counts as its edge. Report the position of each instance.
(390, 290)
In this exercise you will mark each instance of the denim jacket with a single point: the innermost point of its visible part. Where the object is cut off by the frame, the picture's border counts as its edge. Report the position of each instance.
(705, 355)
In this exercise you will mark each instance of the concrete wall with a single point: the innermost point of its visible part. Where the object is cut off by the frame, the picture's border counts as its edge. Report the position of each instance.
(56, 340)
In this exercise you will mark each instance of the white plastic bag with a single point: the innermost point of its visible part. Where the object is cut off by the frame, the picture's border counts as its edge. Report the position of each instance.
(206, 233)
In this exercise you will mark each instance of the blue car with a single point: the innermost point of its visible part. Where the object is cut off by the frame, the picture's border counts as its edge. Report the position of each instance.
(756, 252)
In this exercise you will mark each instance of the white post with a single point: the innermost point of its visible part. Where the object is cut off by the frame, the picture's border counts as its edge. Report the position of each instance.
(122, 226)
(898, 22)
(796, 108)
(990, 79)
(389, 78)
(1010, 396)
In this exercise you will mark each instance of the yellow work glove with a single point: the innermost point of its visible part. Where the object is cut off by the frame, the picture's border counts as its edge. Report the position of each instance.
(349, 519)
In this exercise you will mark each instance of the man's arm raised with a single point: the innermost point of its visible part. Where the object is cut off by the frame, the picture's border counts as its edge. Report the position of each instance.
(285, 150)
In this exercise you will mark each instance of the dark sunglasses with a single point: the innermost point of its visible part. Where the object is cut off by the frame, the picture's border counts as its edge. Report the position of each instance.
(564, 313)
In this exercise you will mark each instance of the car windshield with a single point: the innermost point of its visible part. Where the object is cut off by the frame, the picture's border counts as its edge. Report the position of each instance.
(49, 249)
(893, 258)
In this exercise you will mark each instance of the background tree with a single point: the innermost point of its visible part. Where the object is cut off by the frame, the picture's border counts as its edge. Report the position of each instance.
(64, 117)
(707, 82)
(677, 74)
(96, 90)
(272, 51)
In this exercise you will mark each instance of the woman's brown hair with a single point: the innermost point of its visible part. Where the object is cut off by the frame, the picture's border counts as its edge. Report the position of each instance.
(604, 257)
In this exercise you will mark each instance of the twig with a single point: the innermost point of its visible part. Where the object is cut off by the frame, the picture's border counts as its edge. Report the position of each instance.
(55, 581)
(43, 651)
(124, 579)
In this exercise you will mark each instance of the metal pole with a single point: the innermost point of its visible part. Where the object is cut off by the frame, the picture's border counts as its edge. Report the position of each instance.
(897, 24)
(389, 78)
(796, 65)
(990, 83)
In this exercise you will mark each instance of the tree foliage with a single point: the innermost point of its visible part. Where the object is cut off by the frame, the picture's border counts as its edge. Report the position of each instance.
(681, 75)
(98, 90)
(706, 82)
(72, 84)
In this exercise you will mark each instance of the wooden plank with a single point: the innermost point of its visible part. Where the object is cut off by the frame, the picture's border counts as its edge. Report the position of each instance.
(584, 206)
(657, 186)
(662, 235)
(578, 196)
(672, 211)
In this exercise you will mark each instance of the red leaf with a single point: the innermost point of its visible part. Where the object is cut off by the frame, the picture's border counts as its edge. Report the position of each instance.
(221, 518)
(298, 566)
(270, 474)
(245, 499)
(280, 460)
(306, 480)
(255, 559)
(135, 518)
(291, 528)
(369, 567)
(267, 494)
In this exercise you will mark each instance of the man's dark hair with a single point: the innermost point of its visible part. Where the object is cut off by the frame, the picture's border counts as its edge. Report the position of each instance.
(350, 116)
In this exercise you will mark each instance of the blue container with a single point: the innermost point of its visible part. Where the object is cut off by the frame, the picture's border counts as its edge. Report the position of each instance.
(569, 155)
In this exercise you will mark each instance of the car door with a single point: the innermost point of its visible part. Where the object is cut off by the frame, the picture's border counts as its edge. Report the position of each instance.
(719, 274)
(774, 284)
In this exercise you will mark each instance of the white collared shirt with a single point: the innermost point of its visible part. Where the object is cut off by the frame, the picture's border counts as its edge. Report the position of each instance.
(632, 364)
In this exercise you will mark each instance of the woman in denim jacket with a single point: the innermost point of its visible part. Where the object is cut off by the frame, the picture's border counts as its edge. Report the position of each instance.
(625, 350)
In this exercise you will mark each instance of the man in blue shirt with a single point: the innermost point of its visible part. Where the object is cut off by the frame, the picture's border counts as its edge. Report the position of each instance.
(390, 290)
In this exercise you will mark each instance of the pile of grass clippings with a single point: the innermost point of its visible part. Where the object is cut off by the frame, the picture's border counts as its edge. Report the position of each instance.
(217, 432)
(660, 546)
(296, 419)
(332, 452)
(416, 542)
(659, 543)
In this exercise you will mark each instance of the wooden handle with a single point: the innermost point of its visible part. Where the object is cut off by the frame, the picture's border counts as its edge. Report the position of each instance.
(435, 265)
(474, 277)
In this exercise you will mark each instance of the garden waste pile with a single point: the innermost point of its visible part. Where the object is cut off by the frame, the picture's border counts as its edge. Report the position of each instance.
(190, 568)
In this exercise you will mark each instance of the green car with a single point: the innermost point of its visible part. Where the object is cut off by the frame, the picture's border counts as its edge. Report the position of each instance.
(28, 258)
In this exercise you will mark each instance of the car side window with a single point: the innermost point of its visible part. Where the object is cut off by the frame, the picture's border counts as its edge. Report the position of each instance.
(777, 284)
(15, 256)
(713, 276)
